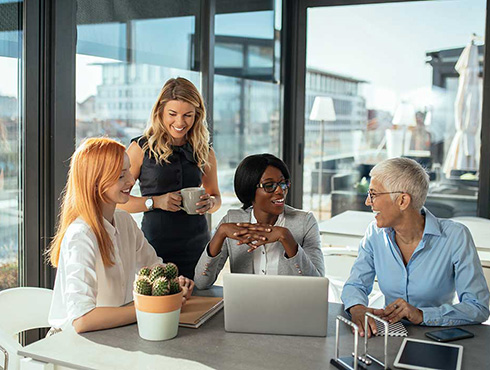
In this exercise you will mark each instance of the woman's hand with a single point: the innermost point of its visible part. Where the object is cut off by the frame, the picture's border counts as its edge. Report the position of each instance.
(260, 234)
(400, 309)
(207, 202)
(357, 313)
(168, 202)
(187, 286)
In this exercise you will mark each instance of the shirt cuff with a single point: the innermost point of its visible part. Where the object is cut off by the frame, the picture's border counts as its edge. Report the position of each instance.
(431, 316)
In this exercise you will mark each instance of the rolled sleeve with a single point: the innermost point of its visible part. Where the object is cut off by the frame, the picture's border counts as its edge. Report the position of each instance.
(79, 280)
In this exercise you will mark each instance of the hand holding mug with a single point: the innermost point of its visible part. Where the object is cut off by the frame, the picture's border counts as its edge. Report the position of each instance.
(205, 204)
(168, 202)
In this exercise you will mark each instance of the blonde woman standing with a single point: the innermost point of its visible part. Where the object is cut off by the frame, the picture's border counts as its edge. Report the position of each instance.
(172, 154)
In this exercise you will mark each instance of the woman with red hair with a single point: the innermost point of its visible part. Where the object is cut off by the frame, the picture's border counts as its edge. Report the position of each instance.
(97, 249)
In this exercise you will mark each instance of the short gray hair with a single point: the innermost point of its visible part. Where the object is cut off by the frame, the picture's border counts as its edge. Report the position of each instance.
(403, 174)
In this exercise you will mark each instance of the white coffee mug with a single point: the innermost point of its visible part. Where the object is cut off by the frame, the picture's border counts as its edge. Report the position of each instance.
(191, 196)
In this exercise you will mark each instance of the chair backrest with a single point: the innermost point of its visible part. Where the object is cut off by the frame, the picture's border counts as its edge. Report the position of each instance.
(24, 308)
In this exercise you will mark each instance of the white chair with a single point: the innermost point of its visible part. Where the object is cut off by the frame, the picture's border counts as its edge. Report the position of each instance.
(21, 309)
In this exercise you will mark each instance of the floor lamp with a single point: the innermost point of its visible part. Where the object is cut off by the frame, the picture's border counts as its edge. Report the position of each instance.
(323, 110)
(404, 116)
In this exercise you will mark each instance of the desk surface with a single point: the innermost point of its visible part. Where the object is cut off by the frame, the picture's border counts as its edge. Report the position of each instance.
(349, 227)
(211, 346)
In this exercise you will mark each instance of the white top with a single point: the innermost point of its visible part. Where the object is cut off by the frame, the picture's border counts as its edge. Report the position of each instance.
(266, 257)
(83, 282)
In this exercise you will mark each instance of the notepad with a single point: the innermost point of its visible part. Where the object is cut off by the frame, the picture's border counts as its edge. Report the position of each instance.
(198, 310)
(394, 330)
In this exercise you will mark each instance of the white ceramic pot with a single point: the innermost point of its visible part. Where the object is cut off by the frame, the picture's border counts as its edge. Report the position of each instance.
(158, 316)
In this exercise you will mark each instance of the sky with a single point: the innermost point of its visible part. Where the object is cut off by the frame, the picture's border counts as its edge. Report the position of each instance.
(384, 44)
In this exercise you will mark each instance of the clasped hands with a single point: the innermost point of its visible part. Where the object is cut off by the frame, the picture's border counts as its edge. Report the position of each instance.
(394, 312)
(256, 235)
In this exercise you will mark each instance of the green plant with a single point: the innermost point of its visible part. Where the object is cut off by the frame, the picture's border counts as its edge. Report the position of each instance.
(156, 272)
(160, 287)
(170, 271)
(174, 286)
(143, 285)
(145, 271)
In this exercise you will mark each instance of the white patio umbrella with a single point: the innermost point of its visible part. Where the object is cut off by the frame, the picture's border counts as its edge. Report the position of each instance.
(464, 153)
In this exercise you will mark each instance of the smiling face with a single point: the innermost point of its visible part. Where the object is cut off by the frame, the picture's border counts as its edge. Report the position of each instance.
(386, 211)
(270, 203)
(178, 119)
(118, 193)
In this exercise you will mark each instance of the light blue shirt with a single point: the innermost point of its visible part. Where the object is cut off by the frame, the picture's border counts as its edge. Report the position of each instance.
(445, 261)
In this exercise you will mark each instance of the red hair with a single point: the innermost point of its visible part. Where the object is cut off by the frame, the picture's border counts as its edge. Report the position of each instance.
(95, 166)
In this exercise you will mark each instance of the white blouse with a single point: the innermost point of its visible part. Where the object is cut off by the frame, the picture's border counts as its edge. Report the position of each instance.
(266, 257)
(83, 282)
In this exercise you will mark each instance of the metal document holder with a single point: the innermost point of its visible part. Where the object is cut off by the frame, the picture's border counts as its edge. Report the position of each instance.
(367, 361)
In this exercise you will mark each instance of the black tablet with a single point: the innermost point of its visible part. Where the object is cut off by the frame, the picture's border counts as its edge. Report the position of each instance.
(424, 355)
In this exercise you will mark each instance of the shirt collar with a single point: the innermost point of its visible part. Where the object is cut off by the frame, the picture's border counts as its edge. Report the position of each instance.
(431, 227)
(111, 230)
(253, 220)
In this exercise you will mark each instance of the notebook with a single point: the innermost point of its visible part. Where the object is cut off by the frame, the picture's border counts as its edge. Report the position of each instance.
(394, 330)
(198, 310)
(288, 305)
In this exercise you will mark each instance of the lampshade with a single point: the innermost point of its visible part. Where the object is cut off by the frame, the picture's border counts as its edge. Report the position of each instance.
(323, 109)
(404, 115)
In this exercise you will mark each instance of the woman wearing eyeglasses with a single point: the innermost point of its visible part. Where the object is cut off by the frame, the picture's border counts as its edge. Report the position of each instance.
(265, 236)
(420, 261)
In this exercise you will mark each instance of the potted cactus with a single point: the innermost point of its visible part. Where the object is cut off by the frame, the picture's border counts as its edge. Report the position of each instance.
(158, 300)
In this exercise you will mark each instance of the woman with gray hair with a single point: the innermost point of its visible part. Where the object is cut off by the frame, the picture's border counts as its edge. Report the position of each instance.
(420, 261)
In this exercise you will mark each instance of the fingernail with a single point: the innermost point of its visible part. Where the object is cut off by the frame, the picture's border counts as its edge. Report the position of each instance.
(234, 233)
(268, 230)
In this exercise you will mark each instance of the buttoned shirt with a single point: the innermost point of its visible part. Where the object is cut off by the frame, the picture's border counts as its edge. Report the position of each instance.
(444, 262)
(266, 257)
(83, 282)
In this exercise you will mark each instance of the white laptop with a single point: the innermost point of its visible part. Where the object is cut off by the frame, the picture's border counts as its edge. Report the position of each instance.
(266, 304)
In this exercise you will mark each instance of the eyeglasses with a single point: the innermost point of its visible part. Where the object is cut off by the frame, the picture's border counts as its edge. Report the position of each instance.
(372, 195)
(270, 187)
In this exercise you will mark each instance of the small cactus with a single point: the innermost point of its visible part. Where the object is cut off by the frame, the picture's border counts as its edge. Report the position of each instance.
(174, 286)
(170, 271)
(143, 285)
(156, 272)
(145, 271)
(160, 287)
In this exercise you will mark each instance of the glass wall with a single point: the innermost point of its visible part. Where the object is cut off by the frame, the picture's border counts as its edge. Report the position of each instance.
(124, 56)
(389, 70)
(247, 112)
(11, 143)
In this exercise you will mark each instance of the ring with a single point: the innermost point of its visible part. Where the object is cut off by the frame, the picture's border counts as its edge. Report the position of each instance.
(396, 306)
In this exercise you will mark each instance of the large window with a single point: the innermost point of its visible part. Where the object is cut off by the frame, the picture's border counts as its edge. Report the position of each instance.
(388, 71)
(247, 111)
(11, 143)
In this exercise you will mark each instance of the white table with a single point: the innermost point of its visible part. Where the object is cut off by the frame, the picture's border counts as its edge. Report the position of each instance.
(349, 227)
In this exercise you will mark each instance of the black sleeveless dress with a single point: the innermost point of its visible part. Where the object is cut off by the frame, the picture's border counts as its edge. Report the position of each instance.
(176, 236)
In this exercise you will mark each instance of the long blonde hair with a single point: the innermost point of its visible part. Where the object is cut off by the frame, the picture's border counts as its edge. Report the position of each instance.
(158, 139)
(95, 166)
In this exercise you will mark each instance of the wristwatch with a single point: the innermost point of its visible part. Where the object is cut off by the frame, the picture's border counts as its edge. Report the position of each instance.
(149, 203)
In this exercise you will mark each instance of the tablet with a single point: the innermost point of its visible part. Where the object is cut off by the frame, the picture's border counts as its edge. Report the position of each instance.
(424, 355)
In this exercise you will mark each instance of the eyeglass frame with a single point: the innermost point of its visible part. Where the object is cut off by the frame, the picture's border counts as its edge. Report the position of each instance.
(370, 194)
(275, 184)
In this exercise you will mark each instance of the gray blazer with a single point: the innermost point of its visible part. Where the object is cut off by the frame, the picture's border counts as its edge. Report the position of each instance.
(302, 225)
